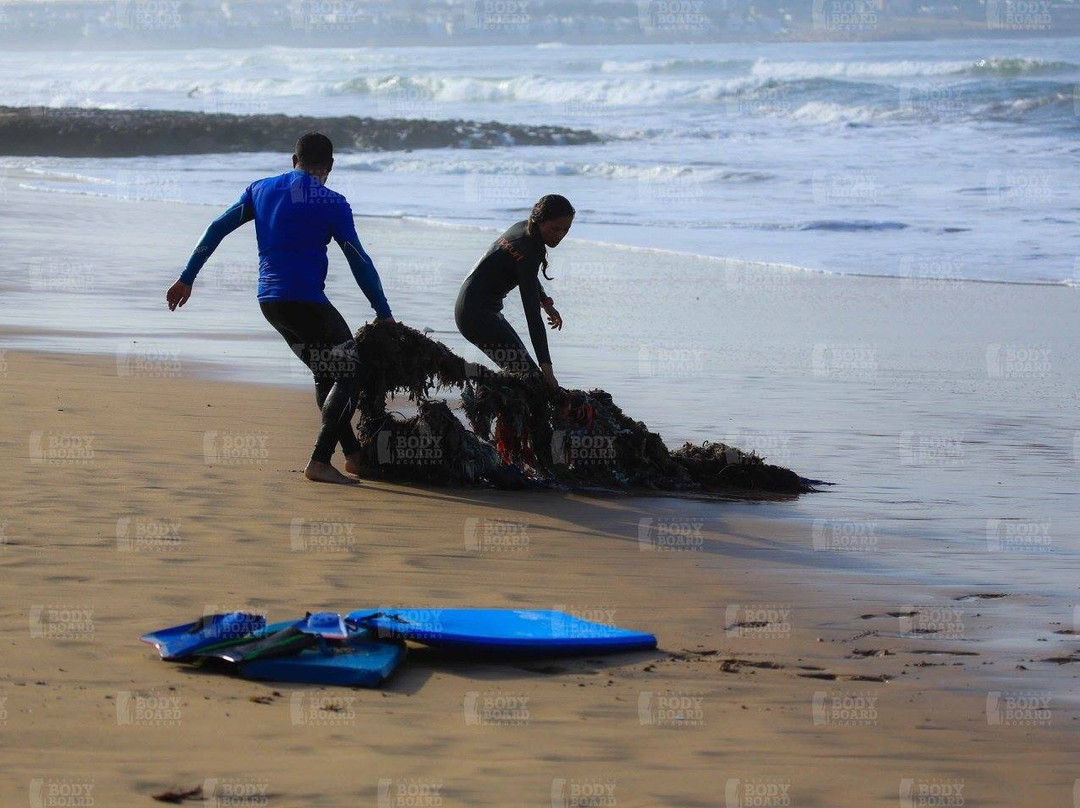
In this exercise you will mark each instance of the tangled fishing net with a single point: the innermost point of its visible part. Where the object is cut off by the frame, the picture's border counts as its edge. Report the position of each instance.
(523, 434)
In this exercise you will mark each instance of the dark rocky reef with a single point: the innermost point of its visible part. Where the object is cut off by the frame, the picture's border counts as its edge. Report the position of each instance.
(73, 132)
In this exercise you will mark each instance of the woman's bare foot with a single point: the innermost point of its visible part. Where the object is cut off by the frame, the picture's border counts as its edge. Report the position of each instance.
(352, 463)
(325, 473)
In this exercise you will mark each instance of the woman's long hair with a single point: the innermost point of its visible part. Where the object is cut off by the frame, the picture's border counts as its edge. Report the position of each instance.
(547, 207)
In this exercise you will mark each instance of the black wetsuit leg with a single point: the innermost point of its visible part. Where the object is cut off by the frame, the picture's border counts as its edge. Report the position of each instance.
(320, 337)
(490, 332)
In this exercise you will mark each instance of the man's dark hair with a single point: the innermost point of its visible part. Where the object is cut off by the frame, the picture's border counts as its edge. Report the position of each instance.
(314, 150)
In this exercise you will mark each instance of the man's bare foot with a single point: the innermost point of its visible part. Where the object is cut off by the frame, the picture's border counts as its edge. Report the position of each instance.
(325, 473)
(353, 463)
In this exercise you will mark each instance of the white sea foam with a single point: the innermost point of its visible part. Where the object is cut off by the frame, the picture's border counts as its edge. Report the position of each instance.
(827, 112)
(793, 71)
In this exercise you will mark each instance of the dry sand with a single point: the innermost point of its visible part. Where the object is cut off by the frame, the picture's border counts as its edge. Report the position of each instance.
(120, 516)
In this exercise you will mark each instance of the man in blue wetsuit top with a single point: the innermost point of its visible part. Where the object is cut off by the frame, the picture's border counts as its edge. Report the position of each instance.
(295, 217)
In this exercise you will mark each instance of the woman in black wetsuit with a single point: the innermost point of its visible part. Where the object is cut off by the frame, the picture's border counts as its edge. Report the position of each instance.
(515, 259)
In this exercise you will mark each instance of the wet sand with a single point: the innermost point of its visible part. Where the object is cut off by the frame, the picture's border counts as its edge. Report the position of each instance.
(140, 497)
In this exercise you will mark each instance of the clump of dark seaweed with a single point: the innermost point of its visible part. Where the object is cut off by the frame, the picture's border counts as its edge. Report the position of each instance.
(523, 433)
(433, 447)
(716, 467)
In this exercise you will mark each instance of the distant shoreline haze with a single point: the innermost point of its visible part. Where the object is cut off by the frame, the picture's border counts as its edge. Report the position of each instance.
(121, 24)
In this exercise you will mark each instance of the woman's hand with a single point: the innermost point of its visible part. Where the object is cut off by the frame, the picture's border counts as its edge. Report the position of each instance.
(385, 320)
(177, 295)
(554, 318)
(549, 375)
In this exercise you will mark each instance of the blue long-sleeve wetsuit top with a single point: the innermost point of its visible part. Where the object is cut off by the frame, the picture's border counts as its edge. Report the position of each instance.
(295, 217)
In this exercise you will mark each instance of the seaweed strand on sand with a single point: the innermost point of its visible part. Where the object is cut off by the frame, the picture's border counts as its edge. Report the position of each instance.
(524, 434)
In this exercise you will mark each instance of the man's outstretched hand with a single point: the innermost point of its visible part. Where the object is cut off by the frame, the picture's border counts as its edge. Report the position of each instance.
(177, 295)
(385, 320)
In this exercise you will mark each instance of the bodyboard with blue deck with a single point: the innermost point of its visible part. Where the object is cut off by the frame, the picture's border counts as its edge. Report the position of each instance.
(180, 642)
(286, 640)
(502, 631)
(363, 664)
(213, 633)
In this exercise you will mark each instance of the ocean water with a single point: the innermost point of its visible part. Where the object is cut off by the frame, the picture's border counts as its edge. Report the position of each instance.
(929, 159)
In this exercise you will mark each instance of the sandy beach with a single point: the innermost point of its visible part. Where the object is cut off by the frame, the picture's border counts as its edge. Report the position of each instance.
(125, 511)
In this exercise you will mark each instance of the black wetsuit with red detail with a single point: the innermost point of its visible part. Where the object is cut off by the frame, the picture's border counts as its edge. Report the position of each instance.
(512, 260)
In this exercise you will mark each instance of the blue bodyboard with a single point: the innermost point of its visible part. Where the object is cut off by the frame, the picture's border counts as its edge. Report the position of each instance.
(185, 640)
(502, 630)
(191, 639)
(364, 664)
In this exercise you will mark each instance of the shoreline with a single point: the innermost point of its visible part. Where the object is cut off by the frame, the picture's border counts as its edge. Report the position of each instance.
(804, 515)
(815, 372)
(765, 266)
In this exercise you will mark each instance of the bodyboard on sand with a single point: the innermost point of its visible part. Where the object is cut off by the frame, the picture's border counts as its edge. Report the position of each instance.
(365, 664)
(288, 641)
(212, 634)
(185, 640)
(502, 630)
